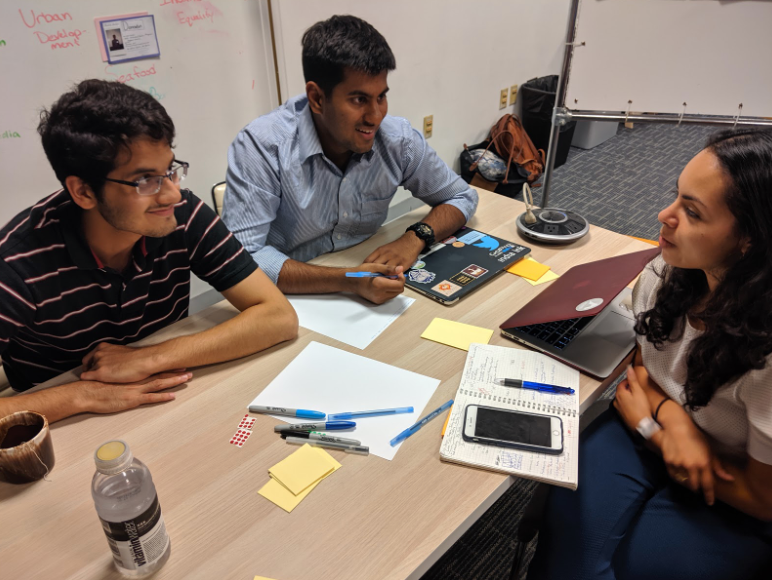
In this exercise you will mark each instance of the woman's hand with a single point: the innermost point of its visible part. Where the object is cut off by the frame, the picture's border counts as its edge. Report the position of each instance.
(631, 401)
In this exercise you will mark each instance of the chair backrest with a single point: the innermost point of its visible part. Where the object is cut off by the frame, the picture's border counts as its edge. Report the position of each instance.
(218, 194)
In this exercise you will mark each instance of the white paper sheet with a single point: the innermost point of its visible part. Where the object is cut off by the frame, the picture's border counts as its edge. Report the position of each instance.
(327, 379)
(346, 317)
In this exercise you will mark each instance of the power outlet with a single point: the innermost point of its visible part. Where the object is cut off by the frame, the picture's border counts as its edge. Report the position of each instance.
(512, 94)
(504, 98)
(428, 126)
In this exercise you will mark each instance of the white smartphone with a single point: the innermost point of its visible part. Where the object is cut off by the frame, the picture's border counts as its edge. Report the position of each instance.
(528, 431)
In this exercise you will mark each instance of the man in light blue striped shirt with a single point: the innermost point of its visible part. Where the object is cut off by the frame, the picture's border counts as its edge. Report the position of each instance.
(317, 174)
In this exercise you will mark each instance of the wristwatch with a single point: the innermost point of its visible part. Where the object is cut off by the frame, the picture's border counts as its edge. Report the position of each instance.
(424, 232)
(647, 427)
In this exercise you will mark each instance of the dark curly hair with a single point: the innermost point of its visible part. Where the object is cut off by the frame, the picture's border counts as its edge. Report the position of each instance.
(738, 314)
(340, 42)
(87, 128)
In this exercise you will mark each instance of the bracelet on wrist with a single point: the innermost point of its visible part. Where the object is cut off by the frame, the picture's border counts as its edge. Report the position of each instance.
(647, 427)
(655, 414)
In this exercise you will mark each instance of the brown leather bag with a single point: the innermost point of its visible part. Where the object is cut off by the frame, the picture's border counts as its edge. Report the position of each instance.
(512, 143)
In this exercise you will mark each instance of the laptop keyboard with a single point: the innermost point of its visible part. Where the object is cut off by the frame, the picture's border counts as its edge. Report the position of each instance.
(560, 333)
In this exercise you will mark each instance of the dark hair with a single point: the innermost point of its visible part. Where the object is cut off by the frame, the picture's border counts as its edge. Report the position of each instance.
(87, 128)
(738, 314)
(340, 42)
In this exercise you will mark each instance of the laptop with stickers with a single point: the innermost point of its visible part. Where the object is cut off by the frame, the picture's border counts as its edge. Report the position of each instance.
(459, 265)
(585, 317)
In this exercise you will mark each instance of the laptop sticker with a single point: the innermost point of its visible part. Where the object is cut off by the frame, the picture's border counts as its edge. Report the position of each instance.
(419, 264)
(502, 250)
(487, 242)
(474, 270)
(446, 288)
(449, 240)
(461, 278)
(471, 237)
(458, 244)
(589, 304)
(421, 276)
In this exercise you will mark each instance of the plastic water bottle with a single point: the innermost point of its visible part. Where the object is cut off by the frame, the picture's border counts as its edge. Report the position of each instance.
(127, 505)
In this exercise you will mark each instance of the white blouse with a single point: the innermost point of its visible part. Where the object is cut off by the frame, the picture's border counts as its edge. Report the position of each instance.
(739, 416)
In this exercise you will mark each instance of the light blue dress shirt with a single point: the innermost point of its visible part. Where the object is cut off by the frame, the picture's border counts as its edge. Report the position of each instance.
(285, 199)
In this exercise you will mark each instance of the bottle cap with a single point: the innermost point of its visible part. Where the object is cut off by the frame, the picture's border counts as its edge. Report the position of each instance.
(113, 457)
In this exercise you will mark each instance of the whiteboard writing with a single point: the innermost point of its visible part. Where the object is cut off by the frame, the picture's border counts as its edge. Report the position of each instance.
(34, 19)
(135, 74)
(62, 38)
(10, 135)
(69, 38)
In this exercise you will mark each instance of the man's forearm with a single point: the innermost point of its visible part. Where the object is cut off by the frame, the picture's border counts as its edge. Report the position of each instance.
(445, 219)
(256, 328)
(301, 278)
(55, 403)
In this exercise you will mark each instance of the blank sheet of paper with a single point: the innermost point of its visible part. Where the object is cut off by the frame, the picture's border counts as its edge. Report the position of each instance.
(331, 380)
(346, 317)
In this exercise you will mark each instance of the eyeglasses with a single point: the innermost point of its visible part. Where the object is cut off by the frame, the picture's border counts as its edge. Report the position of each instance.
(152, 185)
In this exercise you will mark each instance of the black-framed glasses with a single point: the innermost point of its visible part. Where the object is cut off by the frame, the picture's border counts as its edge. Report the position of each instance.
(152, 185)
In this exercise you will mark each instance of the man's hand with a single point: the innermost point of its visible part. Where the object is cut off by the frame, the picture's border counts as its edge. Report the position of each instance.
(113, 363)
(98, 397)
(377, 290)
(401, 252)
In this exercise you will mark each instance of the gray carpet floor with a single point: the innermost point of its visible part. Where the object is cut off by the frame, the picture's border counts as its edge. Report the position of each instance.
(620, 185)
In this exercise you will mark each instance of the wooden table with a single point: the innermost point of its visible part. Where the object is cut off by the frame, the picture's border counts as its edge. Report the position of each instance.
(372, 519)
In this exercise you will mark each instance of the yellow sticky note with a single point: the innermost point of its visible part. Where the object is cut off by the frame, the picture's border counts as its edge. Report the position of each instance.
(456, 334)
(549, 276)
(275, 492)
(529, 269)
(301, 469)
(262, 578)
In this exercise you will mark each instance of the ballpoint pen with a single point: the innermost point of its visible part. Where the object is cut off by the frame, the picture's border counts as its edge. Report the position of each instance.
(372, 413)
(412, 429)
(320, 437)
(323, 426)
(369, 275)
(358, 449)
(300, 413)
(534, 386)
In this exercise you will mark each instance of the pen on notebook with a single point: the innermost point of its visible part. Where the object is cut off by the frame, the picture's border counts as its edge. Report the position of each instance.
(323, 426)
(445, 426)
(372, 413)
(544, 388)
(369, 275)
(358, 449)
(412, 429)
(320, 437)
(300, 413)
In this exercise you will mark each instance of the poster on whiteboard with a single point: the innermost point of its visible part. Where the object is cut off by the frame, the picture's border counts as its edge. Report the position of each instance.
(130, 38)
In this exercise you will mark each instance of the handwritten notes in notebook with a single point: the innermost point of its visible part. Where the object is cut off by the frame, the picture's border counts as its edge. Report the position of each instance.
(456, 334)
(484, 363)
(348, 318)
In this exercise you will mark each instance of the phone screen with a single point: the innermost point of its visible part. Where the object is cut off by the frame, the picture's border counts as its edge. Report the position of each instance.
(532, 429)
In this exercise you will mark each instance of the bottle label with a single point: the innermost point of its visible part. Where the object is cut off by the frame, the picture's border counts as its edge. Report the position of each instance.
(138, 542)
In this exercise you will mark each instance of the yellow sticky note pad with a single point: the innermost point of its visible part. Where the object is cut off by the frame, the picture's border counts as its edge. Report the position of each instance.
(262, 578)
(549, 276)
(302, 468)
(275, 492)
(529, 269)
(456, 334)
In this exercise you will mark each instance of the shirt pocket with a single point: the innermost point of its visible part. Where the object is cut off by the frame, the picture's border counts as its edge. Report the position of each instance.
(372, 212)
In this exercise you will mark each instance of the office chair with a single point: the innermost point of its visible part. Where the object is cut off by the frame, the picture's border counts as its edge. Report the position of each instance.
(533, 515)
(218, 194)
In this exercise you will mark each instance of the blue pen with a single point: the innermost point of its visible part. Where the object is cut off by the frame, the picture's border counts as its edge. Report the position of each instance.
(534, 386)
(300, 413)
(369, 275)
(410, 430)
(323, 426)
(373, 413)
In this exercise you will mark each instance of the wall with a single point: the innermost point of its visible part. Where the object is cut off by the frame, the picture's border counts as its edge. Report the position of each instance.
(453, 57)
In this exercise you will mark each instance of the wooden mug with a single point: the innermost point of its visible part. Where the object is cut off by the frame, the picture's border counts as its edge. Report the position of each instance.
(26, 450)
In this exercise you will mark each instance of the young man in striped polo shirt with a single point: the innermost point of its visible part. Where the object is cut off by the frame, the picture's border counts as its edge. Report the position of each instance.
(106, 261)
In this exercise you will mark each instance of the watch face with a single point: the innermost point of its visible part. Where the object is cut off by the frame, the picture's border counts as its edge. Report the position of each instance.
(423, 230)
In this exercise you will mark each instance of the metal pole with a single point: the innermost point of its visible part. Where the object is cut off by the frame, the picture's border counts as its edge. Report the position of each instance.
(669, 118)
(560, 97)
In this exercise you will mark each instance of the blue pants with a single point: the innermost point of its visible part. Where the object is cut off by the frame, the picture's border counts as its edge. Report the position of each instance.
(629, 521)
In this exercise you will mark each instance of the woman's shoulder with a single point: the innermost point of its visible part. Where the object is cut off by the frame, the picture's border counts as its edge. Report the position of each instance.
(648, 283)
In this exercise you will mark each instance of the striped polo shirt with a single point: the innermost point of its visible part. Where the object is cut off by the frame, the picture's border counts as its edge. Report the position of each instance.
(57, 301)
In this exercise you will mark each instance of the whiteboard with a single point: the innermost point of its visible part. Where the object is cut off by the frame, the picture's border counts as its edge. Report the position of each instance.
(214, 75)
(710, 54)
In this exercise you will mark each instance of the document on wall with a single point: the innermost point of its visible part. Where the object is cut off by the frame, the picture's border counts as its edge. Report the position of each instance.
(330, 380)
(348, 318)
(129, 38)
(484, 364)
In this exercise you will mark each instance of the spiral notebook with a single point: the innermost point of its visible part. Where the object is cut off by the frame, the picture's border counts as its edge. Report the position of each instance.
(484, 363)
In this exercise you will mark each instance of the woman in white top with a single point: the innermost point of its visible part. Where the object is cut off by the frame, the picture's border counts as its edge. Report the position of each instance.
(676, 480)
